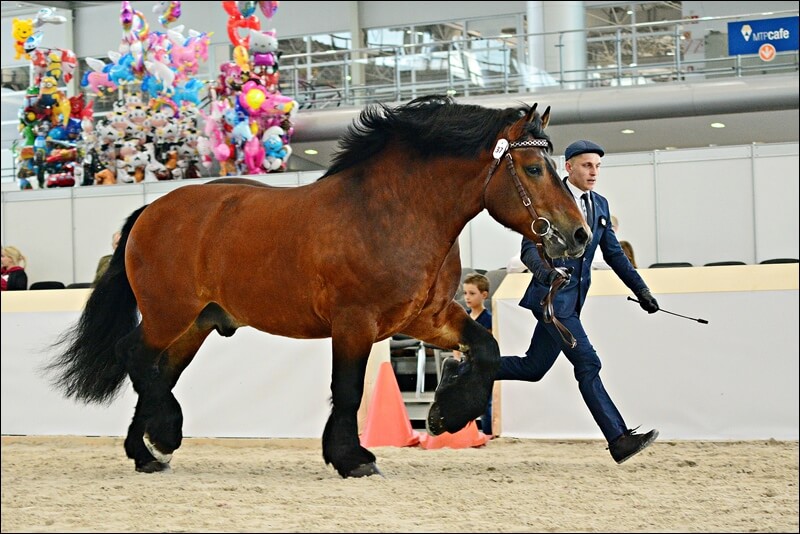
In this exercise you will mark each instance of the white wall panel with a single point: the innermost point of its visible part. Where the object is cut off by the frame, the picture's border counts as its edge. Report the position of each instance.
(41, 226)
(630, 190)
(96, 218)
(776, 207)
(705, 211)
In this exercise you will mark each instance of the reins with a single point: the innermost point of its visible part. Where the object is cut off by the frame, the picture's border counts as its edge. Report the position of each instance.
(547, 306)
(503, 150)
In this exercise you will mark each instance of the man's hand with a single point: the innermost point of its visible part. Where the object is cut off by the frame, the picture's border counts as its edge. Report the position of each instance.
(647, 301)
(559, 272)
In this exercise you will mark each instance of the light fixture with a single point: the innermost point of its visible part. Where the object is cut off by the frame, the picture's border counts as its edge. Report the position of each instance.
(310, 152)
(717, 125)
(627, 131)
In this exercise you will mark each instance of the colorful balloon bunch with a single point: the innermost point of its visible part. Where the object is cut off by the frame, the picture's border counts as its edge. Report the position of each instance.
(151, 134)
(49, 122)
(250, 124)
(165, 63)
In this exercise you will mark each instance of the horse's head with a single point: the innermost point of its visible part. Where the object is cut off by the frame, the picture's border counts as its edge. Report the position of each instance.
(524, 192)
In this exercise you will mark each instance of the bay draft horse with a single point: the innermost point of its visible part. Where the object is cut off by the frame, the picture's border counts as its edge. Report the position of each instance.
(368, 250)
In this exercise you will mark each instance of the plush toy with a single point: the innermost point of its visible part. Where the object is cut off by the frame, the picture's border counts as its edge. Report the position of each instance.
(264, 49)
(254, 155)
(105, 177)
(276, 153)
(21, 29)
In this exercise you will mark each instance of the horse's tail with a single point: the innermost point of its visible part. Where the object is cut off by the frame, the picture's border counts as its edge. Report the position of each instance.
(89, 367)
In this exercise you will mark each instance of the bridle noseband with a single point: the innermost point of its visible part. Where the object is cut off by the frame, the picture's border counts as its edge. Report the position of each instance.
(545, 229)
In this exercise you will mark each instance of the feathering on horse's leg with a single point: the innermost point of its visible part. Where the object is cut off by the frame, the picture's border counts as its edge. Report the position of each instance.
(463, 392)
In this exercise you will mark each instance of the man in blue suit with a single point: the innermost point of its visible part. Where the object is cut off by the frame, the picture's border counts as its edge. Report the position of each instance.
(582, 165)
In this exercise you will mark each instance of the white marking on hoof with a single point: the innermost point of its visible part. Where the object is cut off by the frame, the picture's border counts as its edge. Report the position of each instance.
(157, 454)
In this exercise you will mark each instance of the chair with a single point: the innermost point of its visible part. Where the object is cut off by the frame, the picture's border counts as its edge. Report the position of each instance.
(402, 343)
(778, 260)
(665, 265)
(47, 284)
(79, 285)
(718, 263)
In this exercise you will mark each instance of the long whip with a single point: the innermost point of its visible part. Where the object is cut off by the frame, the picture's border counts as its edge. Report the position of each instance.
(701, 321)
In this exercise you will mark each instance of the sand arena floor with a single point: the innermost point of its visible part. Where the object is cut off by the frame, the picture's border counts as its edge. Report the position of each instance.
(83, 484)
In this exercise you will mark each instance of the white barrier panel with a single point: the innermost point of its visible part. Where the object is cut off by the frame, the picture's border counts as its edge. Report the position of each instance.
(734, 378)
(250, 385)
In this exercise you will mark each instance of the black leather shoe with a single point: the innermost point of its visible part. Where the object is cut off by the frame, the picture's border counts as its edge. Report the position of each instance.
(630, 443)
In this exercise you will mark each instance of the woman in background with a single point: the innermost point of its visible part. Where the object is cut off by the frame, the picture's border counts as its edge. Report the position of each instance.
(13, 271)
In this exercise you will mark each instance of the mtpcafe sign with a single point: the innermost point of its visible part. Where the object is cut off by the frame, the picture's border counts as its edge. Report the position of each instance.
(764, 37)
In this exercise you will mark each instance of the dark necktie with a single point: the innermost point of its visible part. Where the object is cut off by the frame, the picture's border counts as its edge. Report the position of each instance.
(587, 209)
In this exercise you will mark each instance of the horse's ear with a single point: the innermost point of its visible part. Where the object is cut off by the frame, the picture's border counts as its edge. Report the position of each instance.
(546, 118)
(531, 113)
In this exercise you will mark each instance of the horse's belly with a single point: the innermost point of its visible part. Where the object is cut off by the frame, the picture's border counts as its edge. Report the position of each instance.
(293, 324)
(274, 306)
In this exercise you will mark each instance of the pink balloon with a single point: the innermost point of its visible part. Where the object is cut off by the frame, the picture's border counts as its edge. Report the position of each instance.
(268, 8)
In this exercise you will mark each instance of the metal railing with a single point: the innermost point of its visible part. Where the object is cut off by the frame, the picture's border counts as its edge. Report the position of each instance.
(653, 52)
(636, 54)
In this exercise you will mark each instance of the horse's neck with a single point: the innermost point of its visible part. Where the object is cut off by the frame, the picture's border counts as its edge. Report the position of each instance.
(441, 197)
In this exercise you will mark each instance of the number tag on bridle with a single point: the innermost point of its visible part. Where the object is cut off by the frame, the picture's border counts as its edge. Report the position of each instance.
(500, 148)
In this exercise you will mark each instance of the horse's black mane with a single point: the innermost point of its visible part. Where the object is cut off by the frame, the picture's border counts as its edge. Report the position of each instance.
(427, 125)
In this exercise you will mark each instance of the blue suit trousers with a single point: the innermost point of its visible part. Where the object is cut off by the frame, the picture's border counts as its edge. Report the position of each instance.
(546, 345)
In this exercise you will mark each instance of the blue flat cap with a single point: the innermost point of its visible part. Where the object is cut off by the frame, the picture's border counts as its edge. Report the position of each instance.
(583, 147)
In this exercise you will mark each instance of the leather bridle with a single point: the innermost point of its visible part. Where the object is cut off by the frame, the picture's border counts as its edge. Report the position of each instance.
(503, 150)
(544, 231)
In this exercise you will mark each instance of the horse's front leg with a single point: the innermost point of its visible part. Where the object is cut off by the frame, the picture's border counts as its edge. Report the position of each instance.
(340, 444)
(463, 392)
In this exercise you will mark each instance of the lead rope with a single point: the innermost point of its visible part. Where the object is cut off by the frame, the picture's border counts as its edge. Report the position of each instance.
(547, 304)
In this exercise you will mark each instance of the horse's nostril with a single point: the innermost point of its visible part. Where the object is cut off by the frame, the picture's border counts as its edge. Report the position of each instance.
(581, 236)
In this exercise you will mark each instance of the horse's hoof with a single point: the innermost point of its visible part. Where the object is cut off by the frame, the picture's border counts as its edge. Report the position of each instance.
(434, 423)
(162, 457)
(152, 467)
(365, 470)
(449, 372)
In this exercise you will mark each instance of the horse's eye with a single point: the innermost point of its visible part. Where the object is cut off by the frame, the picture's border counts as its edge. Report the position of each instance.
(533, 170)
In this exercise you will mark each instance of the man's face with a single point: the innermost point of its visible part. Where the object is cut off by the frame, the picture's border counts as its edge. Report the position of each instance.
(583, 170)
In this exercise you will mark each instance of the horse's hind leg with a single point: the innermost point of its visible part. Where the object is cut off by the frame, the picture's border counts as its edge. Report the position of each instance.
(156, 430)
(135, 446)
(340, 444)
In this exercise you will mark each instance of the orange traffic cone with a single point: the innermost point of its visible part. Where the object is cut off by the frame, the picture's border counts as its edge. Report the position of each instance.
(469, 436)
(387, 423)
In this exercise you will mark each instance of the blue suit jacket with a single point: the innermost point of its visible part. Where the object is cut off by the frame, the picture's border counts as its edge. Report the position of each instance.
(570, 298)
